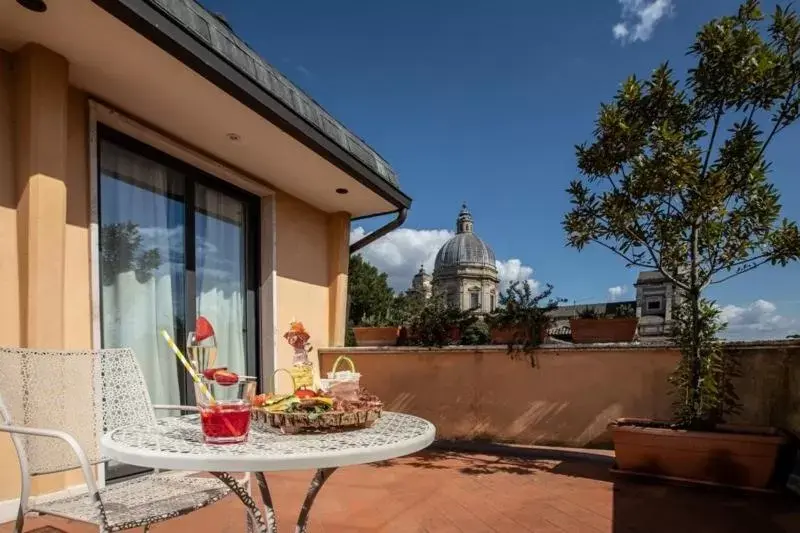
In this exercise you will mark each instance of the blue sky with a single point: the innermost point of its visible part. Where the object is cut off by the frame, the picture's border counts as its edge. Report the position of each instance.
(483, 102)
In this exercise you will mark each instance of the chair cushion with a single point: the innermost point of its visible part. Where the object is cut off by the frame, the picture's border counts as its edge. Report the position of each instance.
(140, 501)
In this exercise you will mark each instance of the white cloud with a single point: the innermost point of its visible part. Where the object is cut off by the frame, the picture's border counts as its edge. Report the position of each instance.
(401, 252)
(617, 292)
(620, 31)
(758, 320)
(513, 270)
(639, 18)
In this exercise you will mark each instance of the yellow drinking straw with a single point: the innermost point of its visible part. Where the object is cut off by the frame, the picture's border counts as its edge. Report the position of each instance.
(188, 367)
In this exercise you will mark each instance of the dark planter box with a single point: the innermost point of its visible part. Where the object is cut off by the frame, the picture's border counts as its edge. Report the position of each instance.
(454, 334)
(590, 330)
(506, 335)
(740, 456)
(375, 336)
(793, 484)
(407, 338)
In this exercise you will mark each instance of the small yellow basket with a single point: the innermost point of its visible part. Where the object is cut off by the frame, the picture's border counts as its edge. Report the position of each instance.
(343, 385)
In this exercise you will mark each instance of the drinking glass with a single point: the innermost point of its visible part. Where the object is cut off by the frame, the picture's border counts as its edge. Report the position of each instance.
(226, 420)
(202, 354)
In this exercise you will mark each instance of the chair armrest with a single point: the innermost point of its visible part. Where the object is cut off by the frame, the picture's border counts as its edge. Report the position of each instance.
(187, 408)
(88, 476)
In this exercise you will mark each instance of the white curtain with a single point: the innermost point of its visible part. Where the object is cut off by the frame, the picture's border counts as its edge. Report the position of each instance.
(141, 217)
(220, 274)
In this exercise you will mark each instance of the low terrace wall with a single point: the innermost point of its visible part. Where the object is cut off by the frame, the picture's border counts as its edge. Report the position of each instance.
(571, 394)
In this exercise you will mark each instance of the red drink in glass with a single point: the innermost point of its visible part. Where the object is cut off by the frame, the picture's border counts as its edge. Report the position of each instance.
(226, 418)
(225, 422)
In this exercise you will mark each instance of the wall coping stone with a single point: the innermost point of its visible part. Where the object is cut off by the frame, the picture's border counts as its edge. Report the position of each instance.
(597, 347)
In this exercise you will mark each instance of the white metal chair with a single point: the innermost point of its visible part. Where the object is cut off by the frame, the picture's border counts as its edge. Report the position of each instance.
(57, 404)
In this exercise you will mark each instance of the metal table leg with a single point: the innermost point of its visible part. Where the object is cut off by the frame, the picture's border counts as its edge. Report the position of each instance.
(266, 522)
(256, 518)
(320, 478)
(266, 497)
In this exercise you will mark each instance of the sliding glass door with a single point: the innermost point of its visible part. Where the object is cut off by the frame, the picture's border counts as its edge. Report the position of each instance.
(175, 244)
(221, 280)
(143, 262)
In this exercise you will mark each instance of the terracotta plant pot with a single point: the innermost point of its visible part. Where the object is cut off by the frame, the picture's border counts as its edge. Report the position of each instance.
(376, 336)
(740, 456)
(589, 330)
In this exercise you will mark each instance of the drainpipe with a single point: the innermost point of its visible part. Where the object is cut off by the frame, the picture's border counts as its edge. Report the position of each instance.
(402, 213)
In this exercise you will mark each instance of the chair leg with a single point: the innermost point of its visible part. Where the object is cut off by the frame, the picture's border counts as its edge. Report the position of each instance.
(24, 495)
(146, 528)
(18, 525)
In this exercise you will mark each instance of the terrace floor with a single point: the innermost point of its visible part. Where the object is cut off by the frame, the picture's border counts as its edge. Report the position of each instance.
(452, 492)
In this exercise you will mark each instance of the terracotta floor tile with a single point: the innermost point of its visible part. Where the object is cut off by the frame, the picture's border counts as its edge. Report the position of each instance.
(443, 492)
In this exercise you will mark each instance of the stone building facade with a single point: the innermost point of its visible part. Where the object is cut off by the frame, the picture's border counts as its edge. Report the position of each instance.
(656, 298)
(422, 283)
(465, 269)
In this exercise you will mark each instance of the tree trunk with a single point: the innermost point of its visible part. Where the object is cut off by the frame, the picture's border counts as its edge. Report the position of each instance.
(694, 355)
(694, 352)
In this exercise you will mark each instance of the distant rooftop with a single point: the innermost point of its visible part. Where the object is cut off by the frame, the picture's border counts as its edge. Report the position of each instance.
(650, 276)
(215, 32)
(604, 308)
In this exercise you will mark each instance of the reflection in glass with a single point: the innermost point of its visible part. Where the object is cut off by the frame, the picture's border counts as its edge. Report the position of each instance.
(220, 273)
(142, 262)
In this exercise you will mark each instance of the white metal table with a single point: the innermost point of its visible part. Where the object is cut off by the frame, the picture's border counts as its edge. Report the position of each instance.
(177, 444)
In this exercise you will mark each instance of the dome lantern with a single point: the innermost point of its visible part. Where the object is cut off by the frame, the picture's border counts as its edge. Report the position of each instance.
(464, 220)
(465, 249)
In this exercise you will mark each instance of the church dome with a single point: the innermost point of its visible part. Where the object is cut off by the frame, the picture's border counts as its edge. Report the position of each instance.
(465, 248)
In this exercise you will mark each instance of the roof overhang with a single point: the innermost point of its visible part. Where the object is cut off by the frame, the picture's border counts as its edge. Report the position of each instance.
(137, 58)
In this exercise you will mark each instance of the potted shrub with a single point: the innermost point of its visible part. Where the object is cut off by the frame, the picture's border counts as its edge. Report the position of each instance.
(676, 181)
(370, 302)
(522, 320)
(436, 323)
(589, 326)
(405, 307)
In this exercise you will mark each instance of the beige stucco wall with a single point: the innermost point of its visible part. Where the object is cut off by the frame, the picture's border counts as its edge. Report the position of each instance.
(570, 396)
(302, 275)
(76, 313)
(9, 280)
(309, 248)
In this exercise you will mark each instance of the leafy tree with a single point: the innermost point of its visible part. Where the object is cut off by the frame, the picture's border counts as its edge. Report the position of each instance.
(526, 315)
(476, 334)
(625, 311)
(350, 337)
(120, 245)
(675, 179)
(369, 295)
(406, 306)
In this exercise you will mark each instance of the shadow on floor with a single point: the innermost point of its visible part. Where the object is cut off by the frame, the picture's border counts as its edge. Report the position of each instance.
(652, 507)
(478, 464)
(639, 505)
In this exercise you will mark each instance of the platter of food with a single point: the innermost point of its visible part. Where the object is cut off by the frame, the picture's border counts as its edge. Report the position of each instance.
(307, 410)
(338, 404)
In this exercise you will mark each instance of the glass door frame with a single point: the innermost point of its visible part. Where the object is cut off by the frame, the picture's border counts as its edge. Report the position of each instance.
(252, 246)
